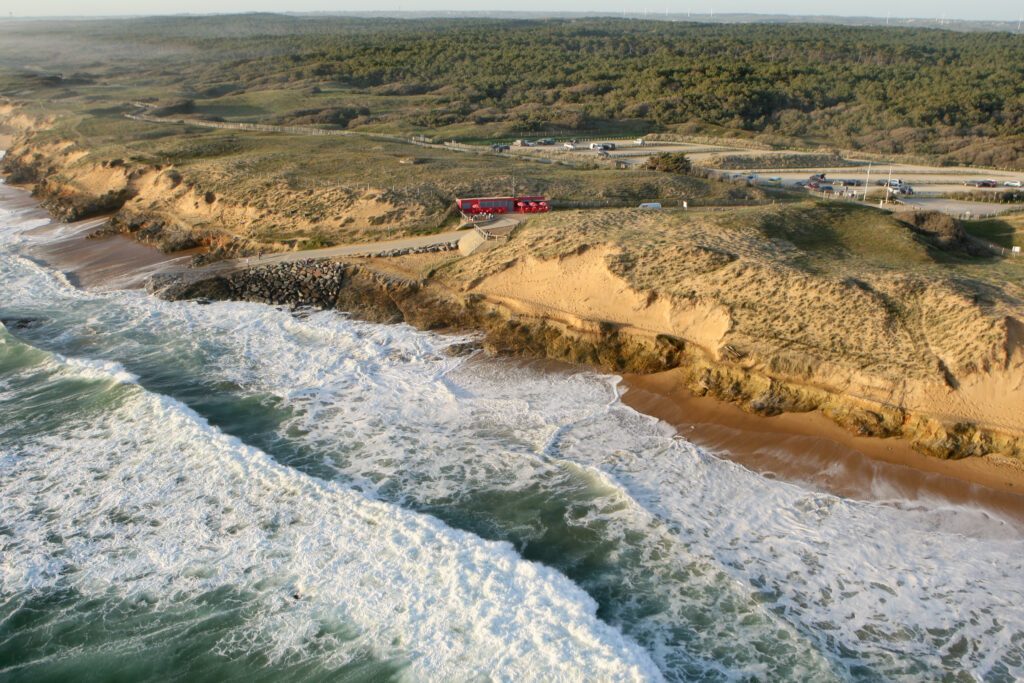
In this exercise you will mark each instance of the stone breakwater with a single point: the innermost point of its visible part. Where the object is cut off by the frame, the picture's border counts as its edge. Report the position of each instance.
(432, 249)
(381, 297)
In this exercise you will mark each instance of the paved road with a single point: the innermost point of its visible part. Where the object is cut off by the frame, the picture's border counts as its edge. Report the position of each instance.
(957, 208)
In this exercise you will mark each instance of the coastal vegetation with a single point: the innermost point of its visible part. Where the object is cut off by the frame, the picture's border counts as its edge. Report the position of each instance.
(950, 96)
(670, 162)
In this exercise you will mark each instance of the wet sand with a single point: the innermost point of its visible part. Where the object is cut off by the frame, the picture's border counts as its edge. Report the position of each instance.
(105, 262)
(809, 449)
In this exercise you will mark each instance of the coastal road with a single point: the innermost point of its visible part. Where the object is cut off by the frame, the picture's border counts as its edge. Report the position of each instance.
(956, 208)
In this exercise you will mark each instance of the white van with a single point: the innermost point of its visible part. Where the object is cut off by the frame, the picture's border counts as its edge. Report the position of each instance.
(651, 205)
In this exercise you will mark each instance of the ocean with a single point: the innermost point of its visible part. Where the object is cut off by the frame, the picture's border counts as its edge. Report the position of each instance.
(235, 491)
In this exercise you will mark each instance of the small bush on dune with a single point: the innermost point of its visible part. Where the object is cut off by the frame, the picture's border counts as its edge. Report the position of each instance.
(670, 162)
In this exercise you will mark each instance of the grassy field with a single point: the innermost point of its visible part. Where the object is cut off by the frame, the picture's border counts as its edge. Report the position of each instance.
(1007, 232)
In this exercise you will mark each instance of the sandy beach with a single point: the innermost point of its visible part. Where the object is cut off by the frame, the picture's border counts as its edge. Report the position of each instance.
(110, 261)
(809, 448)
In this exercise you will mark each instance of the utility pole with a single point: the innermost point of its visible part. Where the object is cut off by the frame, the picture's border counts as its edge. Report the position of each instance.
(867, 183)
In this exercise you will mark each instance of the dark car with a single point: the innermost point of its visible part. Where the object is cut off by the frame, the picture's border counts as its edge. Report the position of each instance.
(500, 148)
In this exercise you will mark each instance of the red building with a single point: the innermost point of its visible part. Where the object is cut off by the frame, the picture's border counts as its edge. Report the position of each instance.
(496, 205)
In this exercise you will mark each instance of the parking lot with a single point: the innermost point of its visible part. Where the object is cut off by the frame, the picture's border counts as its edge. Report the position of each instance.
(933, 186)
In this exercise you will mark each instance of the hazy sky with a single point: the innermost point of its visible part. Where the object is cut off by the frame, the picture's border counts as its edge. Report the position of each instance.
(879, 8)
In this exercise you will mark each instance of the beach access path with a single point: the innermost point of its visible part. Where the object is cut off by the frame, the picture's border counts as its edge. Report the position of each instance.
(182, 269)
(361, 249)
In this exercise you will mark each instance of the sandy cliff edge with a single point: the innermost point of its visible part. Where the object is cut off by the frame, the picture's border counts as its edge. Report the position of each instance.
(983, 413)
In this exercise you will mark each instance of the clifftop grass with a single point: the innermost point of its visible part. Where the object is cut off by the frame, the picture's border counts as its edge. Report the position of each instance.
(803, 284)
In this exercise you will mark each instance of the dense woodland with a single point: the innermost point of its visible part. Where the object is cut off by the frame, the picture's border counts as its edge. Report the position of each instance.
(956, 96)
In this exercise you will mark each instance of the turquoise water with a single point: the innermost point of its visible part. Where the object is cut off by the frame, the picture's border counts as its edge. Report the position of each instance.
(237, 491)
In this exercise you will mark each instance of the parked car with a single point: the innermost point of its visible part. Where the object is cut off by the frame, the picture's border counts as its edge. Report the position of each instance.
(547, 142)
(640, 142)
(1012, 183)
(980, 183)
(500, 148)
(569, 145)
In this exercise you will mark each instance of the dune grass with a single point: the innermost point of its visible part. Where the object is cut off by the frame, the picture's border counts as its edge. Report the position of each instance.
(1007, 231)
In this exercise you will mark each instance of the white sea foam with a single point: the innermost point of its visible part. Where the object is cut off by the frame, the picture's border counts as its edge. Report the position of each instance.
(98, 370)
(860, 578)
(153, 504)
(730, 560)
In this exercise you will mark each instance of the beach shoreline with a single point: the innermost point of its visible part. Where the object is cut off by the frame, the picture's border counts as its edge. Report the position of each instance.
(803, 448)
(810, 448)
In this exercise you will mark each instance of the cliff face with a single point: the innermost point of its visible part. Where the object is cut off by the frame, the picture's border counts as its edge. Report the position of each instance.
(514, 325)
(175, 207)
